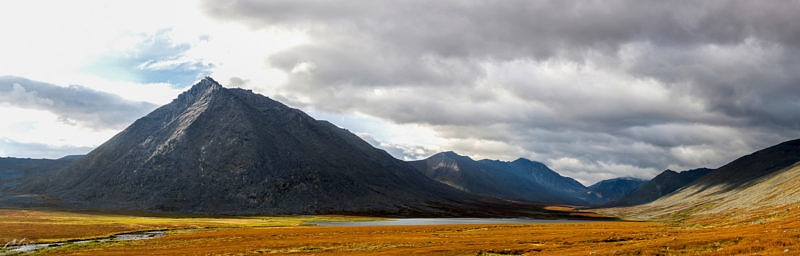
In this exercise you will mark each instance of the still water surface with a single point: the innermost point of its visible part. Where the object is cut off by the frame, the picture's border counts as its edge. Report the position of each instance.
(438, 221)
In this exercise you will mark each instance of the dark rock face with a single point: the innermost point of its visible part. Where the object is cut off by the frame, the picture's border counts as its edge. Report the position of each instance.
(230, 151)
(613, 189)
(663, 184)
(521, 179)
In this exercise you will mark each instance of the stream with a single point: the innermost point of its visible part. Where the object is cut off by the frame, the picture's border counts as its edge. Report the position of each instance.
(16, 247)
(31, 247)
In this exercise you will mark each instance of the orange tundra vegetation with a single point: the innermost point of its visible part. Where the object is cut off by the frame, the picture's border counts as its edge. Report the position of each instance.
(770, 232)
(764, 232)
(50, 225)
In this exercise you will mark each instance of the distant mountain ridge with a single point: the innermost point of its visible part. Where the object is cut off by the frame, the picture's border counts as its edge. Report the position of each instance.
(749, 168)
(663, 184)
(14, 171)
(766, 179)
(616, 188)
(521, 179)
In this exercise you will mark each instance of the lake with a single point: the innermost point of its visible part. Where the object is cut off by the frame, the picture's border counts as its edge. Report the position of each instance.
(439, 221)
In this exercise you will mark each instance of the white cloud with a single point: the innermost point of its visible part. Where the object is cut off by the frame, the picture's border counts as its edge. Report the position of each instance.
(43, 127)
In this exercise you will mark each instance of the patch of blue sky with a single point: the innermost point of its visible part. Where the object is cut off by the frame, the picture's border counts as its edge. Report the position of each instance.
(157, 59)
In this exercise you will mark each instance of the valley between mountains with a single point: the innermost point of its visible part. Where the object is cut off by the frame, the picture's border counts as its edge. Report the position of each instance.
(225, 171)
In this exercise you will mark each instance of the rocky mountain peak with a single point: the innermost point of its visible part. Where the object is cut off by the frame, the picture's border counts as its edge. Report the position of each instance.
(201, 92)
(208, 82)
(219, 150)
(530, 163)
(205, 86)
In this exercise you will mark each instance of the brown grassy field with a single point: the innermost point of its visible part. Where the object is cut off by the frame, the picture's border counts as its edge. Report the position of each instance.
(766, 232)
(47, 225)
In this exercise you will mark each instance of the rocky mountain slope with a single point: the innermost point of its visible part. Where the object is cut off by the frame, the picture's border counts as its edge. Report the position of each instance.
(521, 179)
(665, 183)
(769, 178)
(231, 151)
(614, 189)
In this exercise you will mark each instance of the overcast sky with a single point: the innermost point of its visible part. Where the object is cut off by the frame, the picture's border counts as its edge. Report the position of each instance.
(594, 89)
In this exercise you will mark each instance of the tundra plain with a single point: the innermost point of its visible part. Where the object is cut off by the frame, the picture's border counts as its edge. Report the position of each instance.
(767, 231)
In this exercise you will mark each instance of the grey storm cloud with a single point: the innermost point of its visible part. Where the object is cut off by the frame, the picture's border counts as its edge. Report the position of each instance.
(74, 104)
(597, 89)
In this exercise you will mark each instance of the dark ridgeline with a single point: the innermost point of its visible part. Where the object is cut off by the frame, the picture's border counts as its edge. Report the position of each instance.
(663, 184)
(521, 179)
(748, 169)
(736, 175)
(614, 189)
(766, 179)
(14, 171)
(231, 151)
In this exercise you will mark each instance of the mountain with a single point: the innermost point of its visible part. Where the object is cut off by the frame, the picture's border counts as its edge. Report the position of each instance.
(17, 171)
(613, 189)
(70, 157)
(521, 179)
(765, 180)
(751, 168)
(217, 150)
(14, 171)
(665, 183)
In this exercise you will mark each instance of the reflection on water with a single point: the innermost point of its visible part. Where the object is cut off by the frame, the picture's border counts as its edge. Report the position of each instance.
(438, 221)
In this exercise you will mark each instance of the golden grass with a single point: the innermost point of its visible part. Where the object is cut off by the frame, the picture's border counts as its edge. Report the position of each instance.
(606, 238)
(767, 231)
(47, 225)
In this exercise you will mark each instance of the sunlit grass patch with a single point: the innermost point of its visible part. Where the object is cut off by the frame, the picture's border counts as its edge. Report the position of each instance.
(52, 225)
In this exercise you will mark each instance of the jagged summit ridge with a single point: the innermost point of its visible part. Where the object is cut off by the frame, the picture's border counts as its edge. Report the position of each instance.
(204, 88)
